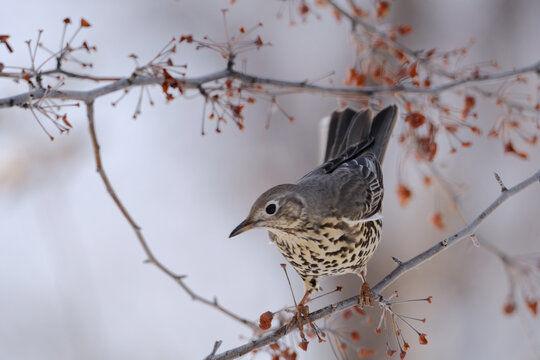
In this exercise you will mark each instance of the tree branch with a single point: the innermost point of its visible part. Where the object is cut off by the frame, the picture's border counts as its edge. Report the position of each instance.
(179, 279)
(23, 99)
(401, 269)
(91, 95)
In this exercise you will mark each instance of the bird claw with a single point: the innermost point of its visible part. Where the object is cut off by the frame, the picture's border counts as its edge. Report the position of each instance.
(302, 312)
(301, 315)
(366, 297)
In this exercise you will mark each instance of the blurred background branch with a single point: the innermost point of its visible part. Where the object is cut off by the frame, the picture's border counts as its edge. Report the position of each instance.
(179, 279)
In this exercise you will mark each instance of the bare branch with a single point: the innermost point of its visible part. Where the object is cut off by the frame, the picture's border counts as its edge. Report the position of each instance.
(91, 95)
(179, 279)
(401, 269)
(23, 99)
(372, 90)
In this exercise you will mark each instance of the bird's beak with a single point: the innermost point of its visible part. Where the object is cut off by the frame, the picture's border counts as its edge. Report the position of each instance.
(243, 226)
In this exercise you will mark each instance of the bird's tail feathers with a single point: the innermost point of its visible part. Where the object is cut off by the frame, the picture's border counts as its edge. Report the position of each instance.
(358, 130)
(381, 130)
(347, 128)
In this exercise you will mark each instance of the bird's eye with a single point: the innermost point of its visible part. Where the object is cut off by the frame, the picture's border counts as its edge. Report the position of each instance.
(271, 209)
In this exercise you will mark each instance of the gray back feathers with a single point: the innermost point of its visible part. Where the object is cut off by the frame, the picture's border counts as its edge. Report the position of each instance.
(350, 181)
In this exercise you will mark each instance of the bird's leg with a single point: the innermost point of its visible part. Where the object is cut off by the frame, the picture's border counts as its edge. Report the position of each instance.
(305, 310)
(301, 310)
(366, 295)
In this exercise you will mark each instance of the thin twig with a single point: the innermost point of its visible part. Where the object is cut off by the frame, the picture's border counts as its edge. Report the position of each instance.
(401, 269)
(500, 182)
(179, 279)
(217, 344)
(357, 21)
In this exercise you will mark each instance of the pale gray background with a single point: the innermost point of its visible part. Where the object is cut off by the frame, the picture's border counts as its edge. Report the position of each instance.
(72, 282)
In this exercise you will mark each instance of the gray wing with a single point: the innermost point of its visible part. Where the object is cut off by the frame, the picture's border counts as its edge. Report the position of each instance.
(358, 184)
(333, 164)
(350, 182)
(354, 189)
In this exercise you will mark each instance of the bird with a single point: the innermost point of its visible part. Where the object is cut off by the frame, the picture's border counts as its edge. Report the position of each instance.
(330, 221)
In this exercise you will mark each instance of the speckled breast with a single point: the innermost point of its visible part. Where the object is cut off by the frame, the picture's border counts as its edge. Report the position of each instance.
(334, 247)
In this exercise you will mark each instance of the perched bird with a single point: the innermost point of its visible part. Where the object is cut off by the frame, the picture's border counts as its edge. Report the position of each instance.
(330, 221)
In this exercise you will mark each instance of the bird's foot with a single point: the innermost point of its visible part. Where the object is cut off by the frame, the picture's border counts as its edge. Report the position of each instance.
(301, 315)
(366, 296)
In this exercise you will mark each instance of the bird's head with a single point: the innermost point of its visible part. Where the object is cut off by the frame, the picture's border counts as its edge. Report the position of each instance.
(279, 208)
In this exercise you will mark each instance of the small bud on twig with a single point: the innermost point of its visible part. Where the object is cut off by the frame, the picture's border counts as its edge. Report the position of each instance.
(501, 184)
